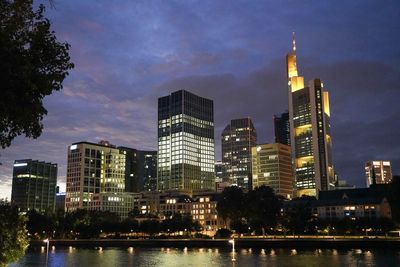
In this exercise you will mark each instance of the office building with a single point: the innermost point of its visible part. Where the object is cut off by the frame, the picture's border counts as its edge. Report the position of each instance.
(34, 185)
(238, 137)
(272, 166)
(185, 143)
(60, 201)
(282, 128)
(382, 170)
(311, 141)
(140, 170)
(96, 179)
(201, 206)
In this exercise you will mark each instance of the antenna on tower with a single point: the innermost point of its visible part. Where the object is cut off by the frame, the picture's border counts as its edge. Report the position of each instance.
(294, 42)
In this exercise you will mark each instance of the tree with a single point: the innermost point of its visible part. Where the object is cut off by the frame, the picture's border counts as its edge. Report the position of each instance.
(298, 216)
(230, 204)
(13, 235)
(32, 64)
(263, 208)
(394, 198)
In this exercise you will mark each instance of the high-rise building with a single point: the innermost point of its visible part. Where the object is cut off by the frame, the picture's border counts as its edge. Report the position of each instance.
(34, 185)
(140, 170)
(382, 170)
(238, 137)
(185, 142)
(96, 178)
(219, 171)
(311, 142)
(272, 166)
(282, 128)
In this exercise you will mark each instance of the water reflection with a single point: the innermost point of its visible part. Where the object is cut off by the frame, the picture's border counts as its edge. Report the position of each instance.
(193, 257)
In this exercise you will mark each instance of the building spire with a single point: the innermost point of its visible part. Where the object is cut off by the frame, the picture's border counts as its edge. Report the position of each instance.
(294, 42)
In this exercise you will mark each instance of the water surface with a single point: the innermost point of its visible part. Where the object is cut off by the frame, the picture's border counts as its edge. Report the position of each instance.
(202, 257)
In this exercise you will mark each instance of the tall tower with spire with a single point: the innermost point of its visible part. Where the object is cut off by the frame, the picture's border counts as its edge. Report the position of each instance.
(310, 134)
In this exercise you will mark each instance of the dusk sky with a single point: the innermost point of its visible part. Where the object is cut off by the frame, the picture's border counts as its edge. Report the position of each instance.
(129, 53)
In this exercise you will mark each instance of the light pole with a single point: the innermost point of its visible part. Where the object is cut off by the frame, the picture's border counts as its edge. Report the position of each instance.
(232, 241)
(47, 250)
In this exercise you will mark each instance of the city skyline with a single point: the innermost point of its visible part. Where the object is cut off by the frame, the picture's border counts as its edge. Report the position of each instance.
(112, 92)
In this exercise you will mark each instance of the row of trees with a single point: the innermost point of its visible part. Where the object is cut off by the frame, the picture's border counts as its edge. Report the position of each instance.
(92, 224)
(258, 209)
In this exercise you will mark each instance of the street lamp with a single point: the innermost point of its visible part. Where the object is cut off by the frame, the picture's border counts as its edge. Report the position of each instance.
(232, 241)
(47, 249)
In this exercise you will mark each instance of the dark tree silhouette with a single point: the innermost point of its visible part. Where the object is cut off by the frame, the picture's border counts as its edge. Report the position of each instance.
(32, 65)
(230, 204)
(262, 208)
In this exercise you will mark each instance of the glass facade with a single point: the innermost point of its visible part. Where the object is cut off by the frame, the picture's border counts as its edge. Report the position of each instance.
(238, 138)
(140, 170)
(282, 128)
(185, 142)
(310, 137)
(272, 166)
(34, 185)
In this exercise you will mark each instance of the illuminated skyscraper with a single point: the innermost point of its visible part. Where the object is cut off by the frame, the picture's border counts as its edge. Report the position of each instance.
(185, 143)
(238, 137)
(96, 178)
(34, 185)
(309, 117)
(382, 169)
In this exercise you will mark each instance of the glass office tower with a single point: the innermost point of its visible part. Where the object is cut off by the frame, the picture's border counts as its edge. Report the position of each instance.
(96, 178)
(34, 185)
(185, 142)
(311, 142)
(140, 170)
(282, 128)
(238, 137)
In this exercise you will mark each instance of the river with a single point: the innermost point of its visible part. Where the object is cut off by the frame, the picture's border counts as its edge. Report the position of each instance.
(203, 257)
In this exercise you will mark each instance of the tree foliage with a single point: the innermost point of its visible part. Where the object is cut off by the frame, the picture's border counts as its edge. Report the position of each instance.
(394, 198)
(32, 64)
(13, 235)
(230, 205)
(297, 218)
(262, 207)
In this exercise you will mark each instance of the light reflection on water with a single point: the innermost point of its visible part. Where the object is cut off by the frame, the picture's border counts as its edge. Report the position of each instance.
(188, 257)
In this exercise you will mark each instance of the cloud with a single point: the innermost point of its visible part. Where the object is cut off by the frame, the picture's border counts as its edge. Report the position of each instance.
(127, 54)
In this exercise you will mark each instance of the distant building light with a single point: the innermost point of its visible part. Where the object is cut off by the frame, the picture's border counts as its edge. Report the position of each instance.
(73, 147)
(20, 164)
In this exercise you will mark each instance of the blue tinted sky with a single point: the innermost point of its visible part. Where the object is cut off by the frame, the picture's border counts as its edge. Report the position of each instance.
(129, 53)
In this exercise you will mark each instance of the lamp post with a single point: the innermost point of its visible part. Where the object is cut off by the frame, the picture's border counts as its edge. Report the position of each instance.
(232, 241)
(47, 241)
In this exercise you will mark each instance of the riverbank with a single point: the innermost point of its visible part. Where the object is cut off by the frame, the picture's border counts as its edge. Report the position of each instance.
(333, 243)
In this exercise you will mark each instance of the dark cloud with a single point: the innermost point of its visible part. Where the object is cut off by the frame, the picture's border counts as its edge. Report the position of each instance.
(127, 54)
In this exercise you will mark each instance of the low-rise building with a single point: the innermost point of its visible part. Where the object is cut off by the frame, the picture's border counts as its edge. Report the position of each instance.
(202, 207)
(204, 210)
(346, 203)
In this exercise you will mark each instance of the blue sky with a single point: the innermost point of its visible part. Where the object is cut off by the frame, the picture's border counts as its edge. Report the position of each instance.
(129, 53)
